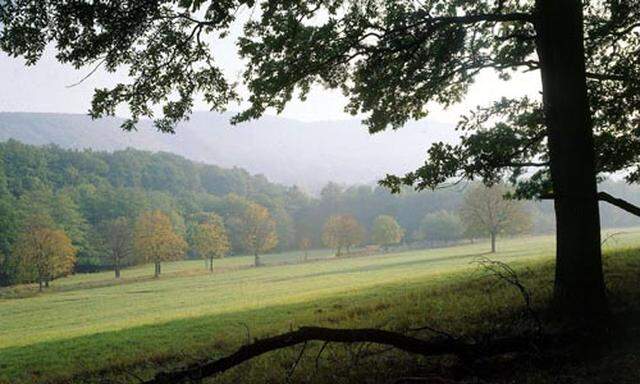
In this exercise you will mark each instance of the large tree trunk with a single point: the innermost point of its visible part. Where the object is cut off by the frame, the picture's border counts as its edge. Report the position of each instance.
(256, 260)
(211, 264)
(157, 271)
(579, 282)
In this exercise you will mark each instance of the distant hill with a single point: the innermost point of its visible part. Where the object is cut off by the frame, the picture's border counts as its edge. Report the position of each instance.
(308, 154)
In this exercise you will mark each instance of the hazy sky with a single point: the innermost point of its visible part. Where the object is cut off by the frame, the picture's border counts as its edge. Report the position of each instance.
(45, 88)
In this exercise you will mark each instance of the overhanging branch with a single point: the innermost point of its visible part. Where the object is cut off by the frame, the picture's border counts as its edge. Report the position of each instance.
(604, 196)
(622, 204)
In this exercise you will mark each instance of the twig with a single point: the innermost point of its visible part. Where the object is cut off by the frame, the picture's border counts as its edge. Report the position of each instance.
(296, 362)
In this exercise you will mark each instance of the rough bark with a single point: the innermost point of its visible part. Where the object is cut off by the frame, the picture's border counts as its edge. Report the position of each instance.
(579, 282)
(447, 346)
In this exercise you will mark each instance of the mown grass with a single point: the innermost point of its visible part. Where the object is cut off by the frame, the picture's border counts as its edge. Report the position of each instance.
(79, 334)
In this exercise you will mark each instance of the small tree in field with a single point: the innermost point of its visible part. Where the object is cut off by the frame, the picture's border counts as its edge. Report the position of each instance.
(156, 241)
(386, 231)
(209, 239)
(44, 250)
(342, 231)
(305, 244)
(486, 210)
(258, 231)
(118, 239)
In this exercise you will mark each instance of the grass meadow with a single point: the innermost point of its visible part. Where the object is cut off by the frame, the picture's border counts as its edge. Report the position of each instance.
(88, 325)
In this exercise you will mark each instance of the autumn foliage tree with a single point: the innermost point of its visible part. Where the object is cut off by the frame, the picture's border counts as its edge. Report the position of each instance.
(257, 231)
(155, 239)
(386, 231)
(342, 231)
(119, 241)
(209, 238)
(44, 251)
(485, 209)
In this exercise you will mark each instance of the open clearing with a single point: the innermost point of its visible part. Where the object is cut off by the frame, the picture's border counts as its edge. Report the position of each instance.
(87, 323)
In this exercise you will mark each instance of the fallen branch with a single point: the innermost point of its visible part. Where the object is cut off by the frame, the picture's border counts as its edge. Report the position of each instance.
(377, 336)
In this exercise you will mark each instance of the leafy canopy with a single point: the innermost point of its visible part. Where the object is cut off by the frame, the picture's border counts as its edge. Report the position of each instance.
(155, 239)
(386, 230)
(209, 237)
(486, 210)
(342, 231)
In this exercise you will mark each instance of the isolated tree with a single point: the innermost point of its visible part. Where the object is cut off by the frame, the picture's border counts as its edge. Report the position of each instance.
(258, 231)
(386, 231)
(209, 239)
(485, 209)
(44, 250)
(342, 231)
(118, 239)
(391, 58)
(305, 244)
(440, 226)
(154, 239)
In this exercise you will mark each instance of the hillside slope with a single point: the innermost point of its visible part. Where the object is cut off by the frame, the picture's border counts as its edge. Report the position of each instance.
(284, 150)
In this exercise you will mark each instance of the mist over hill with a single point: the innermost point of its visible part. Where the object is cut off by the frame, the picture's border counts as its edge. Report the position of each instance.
(308, 154)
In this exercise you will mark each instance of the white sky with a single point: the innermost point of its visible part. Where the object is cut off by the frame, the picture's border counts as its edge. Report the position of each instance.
(45, 88)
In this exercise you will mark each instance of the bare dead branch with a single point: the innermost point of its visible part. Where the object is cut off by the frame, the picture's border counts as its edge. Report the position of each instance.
(504, 272)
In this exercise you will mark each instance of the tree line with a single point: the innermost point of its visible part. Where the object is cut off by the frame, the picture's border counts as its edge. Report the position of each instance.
(97, 210)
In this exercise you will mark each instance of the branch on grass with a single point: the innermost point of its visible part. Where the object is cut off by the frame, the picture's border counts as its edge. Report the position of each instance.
(377, 336)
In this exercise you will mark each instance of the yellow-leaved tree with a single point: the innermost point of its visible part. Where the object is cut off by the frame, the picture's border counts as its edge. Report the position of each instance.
(342, 231)
(386, 231)
(209, 238)
(155, 240)
(45, 252)
(258, 231)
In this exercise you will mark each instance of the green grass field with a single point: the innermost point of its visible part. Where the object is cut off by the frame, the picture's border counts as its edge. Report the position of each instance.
(89, 324)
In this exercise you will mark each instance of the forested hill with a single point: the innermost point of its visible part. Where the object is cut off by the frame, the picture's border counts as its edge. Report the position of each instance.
(283, 150)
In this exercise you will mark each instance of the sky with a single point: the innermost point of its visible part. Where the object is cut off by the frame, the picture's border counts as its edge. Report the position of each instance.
(45, 87)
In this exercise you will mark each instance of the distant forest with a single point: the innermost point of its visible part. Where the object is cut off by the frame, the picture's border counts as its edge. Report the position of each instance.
(82, 190)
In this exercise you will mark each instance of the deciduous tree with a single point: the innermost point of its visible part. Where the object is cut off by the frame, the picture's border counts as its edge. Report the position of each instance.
(342, 231)
(386, 231)
(485, 209)
(305, 244)
(209, 238)
(156, 241)
(258, 231)
(119, 241)
(44, 250)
